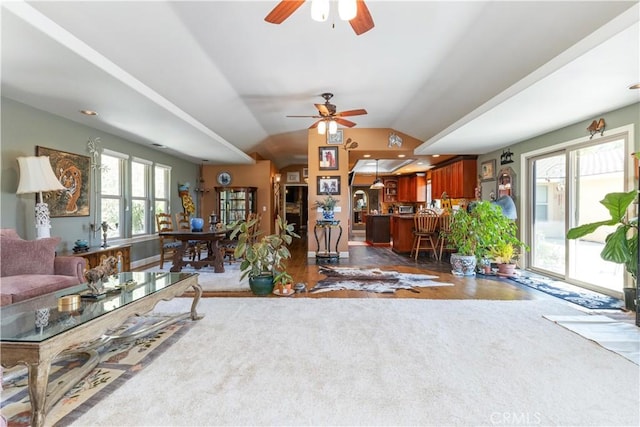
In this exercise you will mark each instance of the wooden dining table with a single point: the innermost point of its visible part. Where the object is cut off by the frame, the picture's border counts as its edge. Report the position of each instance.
(215, 256)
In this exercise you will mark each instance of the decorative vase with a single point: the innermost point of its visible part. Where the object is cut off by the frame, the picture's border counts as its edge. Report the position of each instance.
(327, 215)
(463, 265)
(261, 285)
(197, 224)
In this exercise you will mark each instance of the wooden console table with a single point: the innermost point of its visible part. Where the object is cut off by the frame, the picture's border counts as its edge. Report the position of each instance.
(96, 254)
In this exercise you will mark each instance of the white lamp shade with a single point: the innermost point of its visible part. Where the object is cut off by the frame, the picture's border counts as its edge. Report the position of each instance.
(322, 128)
(319, 10)
(36, 175)
(347, 9)
(333, 127)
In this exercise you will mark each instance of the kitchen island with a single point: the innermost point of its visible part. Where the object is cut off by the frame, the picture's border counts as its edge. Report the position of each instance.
(378, 231)
(402, 233)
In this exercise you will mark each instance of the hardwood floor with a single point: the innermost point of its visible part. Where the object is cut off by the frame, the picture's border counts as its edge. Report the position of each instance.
(306, 270)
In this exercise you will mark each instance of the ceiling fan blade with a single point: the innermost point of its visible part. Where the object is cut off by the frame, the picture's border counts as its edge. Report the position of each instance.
(348, 113)
(283, 10)
(323, 110)
(363, 21)
(315, 125)
(344, 122)
(313, 117)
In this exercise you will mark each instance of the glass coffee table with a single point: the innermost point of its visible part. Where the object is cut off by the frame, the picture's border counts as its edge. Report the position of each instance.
(41, 330)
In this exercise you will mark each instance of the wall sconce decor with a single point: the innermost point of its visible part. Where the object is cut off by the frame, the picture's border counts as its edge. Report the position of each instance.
(506, 157)
(394, 140)
(595, 127)
(350, 144)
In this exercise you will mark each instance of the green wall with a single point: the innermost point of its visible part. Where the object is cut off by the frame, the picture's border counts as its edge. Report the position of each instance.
(629, 115)
(23, 128)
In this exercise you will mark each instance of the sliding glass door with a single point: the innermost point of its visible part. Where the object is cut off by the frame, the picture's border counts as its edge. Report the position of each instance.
(566, 186)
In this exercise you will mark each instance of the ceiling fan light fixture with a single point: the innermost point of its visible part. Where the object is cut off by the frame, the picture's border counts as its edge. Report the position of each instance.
(347, 9)
(319, 10)
(333, 127)
(322, 128)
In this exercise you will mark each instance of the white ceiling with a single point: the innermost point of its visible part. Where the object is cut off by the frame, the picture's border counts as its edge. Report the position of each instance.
(211, 80)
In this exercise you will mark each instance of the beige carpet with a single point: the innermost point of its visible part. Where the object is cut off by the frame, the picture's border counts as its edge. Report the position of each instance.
(214, 282)
(304, 361)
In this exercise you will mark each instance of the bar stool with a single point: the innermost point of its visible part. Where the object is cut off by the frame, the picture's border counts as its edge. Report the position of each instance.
(425, 232)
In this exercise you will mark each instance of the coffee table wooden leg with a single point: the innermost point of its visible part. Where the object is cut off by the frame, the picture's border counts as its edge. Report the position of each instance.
(38, 380)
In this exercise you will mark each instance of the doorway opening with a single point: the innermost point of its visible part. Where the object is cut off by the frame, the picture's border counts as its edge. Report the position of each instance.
(296, 205)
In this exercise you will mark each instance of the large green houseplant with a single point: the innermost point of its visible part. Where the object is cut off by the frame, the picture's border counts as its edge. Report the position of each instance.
(477, 230)
(263, 256)
(621, 245)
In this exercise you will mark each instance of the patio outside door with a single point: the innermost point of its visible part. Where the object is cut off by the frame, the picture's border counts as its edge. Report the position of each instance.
(567, 187)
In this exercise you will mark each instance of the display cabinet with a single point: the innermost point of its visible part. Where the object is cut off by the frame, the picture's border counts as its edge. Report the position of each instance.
(235, 203)
(390, 191)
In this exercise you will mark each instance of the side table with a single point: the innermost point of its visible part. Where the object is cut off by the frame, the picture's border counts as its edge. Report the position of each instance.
(325, 228)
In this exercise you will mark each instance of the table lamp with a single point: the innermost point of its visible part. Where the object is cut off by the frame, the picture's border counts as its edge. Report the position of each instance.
(36, 176)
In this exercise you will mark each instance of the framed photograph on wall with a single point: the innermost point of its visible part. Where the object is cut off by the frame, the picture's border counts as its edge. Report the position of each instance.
(328, 158)
(329, 185)
(488, 170)
(335, 138)
(73, 172)
(293, 176)
(305, 172)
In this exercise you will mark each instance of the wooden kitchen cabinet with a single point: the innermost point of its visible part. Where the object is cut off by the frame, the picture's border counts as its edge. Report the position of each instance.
(457, 179)
(412, 188)
(390, 191)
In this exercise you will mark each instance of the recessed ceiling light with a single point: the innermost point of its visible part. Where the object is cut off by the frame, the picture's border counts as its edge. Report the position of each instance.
(635, 86)
(89, 112)
(366, 156)
(436, 155)
(402, 155)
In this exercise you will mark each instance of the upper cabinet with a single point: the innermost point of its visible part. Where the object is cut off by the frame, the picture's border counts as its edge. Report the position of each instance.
(412, 188)
(458, 179)
(390, 190)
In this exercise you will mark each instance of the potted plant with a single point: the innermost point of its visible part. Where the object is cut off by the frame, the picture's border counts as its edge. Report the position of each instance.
(504, 255)
(263, 256)
(475, 231)
(621, 245)
(327, 204)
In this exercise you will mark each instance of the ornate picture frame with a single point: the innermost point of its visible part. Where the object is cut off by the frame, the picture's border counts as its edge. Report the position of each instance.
(74, 173)
(335, 138)
(328, 158)
(293, 176)
(488, 170)
(329, 185)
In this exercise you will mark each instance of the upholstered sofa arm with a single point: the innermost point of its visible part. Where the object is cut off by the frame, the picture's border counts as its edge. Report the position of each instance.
(70, 266)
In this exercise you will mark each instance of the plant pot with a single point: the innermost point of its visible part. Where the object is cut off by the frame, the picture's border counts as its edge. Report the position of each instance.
(327, 215)
(261, 285)
(630, 298)
(506, 269)
(463, 265)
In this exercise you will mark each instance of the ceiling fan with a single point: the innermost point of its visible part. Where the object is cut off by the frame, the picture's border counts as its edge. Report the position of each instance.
(327, 112)
(362, 22)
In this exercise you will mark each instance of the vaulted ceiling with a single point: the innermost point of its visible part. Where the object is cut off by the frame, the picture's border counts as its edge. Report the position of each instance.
(211, 80)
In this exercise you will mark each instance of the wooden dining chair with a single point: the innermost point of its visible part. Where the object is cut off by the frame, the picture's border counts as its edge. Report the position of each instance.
(425, 232)
(168, 245)
(444, 233)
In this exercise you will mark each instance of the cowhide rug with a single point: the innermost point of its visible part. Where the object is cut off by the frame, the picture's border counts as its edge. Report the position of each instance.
(372, 280)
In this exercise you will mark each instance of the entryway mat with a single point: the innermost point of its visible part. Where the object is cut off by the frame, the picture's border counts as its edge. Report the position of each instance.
(571, 293)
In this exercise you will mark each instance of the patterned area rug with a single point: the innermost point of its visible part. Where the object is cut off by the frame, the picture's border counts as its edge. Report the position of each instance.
(118, 363)
(571, 293)
(372, 280)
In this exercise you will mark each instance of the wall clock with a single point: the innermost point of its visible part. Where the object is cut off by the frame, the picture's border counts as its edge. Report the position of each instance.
(224, 178)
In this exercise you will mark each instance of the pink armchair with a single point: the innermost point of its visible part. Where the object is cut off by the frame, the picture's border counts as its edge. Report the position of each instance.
(29, 268)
